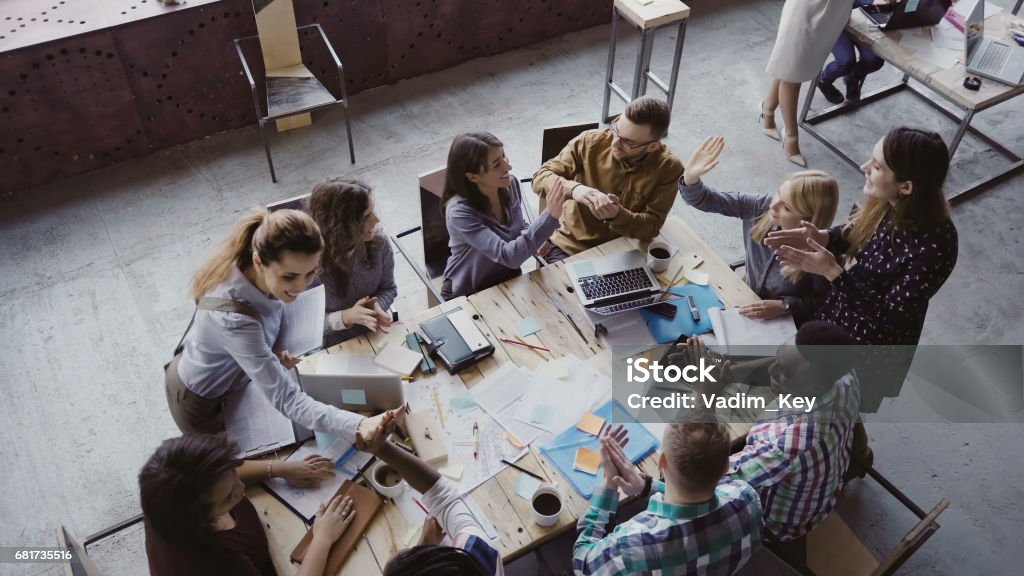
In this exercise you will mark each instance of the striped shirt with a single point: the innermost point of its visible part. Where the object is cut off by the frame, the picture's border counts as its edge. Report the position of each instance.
(715, 537)
(796, 460)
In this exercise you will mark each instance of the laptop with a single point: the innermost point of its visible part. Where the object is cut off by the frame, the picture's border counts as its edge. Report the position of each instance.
(991, 57)
(355, 392)
(906, 13)
(616, 283)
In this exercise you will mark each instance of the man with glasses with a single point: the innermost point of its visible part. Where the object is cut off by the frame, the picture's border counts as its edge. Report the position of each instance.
(623, 180)
(794, 458)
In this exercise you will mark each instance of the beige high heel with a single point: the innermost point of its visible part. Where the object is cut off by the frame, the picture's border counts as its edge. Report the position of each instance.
(797, 159)
(772, 133)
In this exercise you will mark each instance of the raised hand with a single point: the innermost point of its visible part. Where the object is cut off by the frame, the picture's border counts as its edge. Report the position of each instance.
(817, 260)
(373, 432)
(796, 237)
(703, 159)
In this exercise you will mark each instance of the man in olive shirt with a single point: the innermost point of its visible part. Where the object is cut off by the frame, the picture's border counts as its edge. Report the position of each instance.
(623, 180)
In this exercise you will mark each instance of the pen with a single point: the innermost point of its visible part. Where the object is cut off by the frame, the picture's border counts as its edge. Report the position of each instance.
(523, 470)
(476, 439)
(521, 343)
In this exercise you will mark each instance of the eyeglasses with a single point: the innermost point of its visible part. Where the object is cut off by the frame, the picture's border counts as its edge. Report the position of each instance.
(627, 143)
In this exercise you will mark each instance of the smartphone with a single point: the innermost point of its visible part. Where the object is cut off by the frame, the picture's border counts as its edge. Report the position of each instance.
(666, 309)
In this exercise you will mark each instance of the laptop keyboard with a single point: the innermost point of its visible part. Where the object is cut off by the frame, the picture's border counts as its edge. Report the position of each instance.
(602, 286)
(994, 58)
(625, 305)
(882, 17)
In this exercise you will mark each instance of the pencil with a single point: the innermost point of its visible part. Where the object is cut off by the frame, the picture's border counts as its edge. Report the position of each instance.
(422, 507)
(676, 277)
(523, 470)
(437, 403)
(537, 349)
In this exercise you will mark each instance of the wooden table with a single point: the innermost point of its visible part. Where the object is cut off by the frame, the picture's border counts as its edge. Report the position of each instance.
(498, 309)
(946, 83)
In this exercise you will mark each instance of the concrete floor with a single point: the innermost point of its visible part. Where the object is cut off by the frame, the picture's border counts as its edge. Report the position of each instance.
(94, 271)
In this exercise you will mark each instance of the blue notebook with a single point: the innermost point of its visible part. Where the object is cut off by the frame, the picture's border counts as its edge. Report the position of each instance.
(666, 331)
(561, 450)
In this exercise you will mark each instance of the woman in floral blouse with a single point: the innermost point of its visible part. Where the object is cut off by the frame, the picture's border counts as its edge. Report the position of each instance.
(895, 252)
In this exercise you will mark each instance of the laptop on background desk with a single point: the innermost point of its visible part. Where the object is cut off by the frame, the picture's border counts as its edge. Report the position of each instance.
(990, 57)
(902, 14)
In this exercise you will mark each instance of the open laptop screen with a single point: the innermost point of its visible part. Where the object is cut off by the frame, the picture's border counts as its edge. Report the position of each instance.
(975, 30)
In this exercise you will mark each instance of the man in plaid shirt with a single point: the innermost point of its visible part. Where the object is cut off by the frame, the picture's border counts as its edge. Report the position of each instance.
(694, 524)
(795, 459)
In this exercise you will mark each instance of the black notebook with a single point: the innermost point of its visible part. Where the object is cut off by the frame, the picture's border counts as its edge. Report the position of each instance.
(456, 340)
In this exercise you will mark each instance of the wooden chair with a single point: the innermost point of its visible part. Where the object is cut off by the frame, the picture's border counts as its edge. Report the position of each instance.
(833, 549)
(81, 564)
(292, 90)
(434, 235)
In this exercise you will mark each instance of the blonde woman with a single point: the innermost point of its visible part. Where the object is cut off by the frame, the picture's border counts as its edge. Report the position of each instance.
(240, 294)
(810, 196)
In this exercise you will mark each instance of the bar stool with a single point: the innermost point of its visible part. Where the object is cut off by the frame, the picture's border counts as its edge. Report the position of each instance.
(648, 16)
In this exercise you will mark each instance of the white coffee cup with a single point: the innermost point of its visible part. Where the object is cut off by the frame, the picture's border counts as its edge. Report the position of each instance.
(379, 474)
(657, 263)
(546, 519)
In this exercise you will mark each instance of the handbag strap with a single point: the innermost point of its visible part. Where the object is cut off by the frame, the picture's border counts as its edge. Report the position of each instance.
(221, 305)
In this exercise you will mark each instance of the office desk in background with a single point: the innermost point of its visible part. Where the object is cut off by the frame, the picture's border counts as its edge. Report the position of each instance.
(498, 309)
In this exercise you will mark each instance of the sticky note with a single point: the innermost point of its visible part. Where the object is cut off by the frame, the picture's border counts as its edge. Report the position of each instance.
(527, 326)
(591, 424)
(585, 268)
(696, 277)
(452, 469)
(542, 414)
(587, 461)
(526, 485)
(353, 396)
(557, 368)
(463, 403)
(324, 440)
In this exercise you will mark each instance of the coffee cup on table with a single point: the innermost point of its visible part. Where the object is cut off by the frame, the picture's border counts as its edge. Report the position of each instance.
(547, 505)
(386, 480)
(659, 254)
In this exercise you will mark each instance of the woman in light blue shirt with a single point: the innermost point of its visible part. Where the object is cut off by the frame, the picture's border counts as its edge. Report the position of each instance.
(483, 210)
(240, 293)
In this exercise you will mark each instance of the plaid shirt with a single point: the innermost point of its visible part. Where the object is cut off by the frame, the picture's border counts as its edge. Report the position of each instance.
(796, 460)
(716, 537)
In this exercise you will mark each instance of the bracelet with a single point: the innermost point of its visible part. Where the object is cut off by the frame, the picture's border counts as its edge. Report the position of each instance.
(270, 469)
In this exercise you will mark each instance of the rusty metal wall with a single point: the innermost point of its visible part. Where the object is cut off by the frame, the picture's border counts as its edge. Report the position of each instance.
(105, 95)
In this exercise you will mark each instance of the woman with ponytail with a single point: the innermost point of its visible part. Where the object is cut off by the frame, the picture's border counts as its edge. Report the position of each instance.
(810, 195)
(897, 249)
(240, 294)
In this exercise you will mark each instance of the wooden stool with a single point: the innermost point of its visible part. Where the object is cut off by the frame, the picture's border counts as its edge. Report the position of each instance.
(648, 16)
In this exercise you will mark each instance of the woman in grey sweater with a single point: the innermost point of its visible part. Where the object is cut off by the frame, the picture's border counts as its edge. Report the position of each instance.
(357, 266)
(811, 196)
(489, 238)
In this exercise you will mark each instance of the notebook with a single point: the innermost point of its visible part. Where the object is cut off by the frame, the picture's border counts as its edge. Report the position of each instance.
(563, 449)
(734, 329)
(258, 428)
(367, 504)
(456, 340)
(664, 330)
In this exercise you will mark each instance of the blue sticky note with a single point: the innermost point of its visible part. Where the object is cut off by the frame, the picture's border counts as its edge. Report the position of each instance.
(526, 485)
(324, 440)
(527, 326)
(463, 403)
(585, 268)
(350, 396)
(542, 414)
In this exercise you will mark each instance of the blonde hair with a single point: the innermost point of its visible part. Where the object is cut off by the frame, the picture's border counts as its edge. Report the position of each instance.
(269, 234)
(815, 196)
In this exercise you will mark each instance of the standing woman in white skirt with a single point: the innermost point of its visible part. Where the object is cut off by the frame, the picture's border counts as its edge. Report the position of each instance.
(807, 31)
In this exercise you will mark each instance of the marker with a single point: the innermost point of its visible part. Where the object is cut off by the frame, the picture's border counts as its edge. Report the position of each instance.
(694, 312)
(476, 440)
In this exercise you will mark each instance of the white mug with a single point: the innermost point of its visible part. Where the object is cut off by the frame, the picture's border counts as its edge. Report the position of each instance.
(382, 467)
(546, 519)
(659, 264)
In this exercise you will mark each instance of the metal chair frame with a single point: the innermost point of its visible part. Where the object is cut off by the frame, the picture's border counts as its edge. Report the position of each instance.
(268, 118)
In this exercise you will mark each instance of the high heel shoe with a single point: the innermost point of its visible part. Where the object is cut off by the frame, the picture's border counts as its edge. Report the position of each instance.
(772, 133)
(797, 159)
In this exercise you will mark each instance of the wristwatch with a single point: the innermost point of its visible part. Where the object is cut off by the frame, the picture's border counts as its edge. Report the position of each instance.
(648, 481)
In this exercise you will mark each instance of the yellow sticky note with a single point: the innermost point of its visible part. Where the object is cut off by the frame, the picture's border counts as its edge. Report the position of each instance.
(587, 461)
(591, 424)
(557, 368)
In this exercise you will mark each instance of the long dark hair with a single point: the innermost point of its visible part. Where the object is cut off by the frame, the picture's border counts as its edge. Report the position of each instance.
(432, 560)
(175, 486)
(917, 156)
(469, 154)
(338, 204)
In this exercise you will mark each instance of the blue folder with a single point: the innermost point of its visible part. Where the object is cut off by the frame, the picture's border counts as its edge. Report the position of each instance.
(666, 331)
(561, 450)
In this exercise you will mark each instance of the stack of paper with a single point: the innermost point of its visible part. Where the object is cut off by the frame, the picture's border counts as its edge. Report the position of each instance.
(554, 405)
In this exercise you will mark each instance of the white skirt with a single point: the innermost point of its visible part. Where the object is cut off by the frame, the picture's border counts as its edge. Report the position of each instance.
(807, 31)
